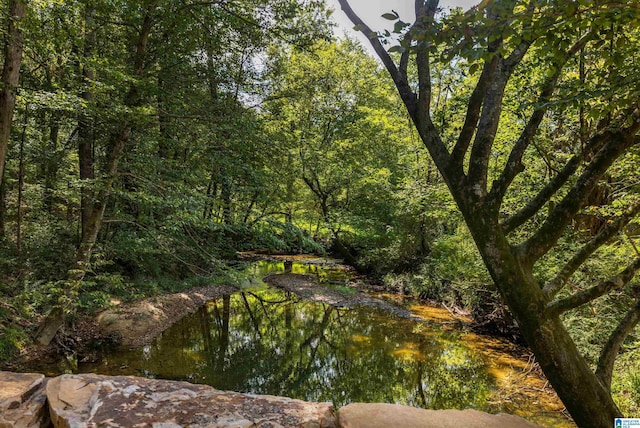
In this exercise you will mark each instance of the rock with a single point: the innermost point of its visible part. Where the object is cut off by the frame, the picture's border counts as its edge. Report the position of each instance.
(365, 415)
(22, 400)
(121, 401)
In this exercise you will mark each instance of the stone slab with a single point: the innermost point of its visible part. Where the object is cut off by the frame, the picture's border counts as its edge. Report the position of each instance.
(377, 415)
(22, 400)
(89, 400)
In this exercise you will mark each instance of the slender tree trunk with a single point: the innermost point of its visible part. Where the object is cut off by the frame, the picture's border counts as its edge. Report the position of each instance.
(164, 123)
(10, 75)
(20, 188)
(342, 249)
(3, 209)
(225, 195)
(206, 210)
(51, 163)
(252, 203)
(85, 126)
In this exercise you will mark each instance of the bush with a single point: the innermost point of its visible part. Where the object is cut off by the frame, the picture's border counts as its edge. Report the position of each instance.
(13, 336)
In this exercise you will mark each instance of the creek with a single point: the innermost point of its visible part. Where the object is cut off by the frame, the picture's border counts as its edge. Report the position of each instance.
(265, 340)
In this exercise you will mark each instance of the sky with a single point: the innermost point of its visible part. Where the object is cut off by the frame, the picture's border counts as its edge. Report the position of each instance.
(371, 10)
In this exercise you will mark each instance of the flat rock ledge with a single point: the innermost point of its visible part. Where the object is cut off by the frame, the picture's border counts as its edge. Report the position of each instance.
(76, 401)
(381, 415)
(121, 401)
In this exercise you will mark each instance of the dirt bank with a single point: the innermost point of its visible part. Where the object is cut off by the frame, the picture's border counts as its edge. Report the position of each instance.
(137, 323)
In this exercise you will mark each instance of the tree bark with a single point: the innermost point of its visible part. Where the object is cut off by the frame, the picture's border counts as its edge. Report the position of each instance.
(585, 396)
(10, 75)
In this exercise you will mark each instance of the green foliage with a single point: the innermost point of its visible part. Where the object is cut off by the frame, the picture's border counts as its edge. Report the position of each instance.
(285, 237)
(626, 381)
(343, 151)
(453, 273)
(12, 340)
(251, 129)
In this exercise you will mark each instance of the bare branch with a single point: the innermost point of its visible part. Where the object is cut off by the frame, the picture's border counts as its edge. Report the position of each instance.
(487, 128)
(404, 57)
(620, 280)
(610, 351)
(492, 107)
(408, 96)
(422, 120)
(425, 15)
(613, 228)
(545, 194)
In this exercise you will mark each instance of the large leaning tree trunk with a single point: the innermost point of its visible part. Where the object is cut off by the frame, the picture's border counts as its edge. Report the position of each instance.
(502, 33)
(10, 75)
(56, 318)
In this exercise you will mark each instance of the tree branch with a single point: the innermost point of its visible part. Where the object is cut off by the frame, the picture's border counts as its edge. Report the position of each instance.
(424, 125)
(487, 128)
(492, 104)
(425, 15)
(545, 194)
(616, 142)
(610, 351)
(620, 280)
(473, 114)
(514, 164)
(404, 57)
(612, 228)
(408, 96)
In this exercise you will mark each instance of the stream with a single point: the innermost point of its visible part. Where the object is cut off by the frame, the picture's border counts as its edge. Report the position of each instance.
(265, 340)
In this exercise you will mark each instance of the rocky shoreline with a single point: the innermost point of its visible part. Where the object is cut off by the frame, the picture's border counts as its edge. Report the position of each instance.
(29, 400)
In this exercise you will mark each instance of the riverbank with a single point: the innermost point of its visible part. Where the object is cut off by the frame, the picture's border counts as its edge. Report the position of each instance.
(508, 378)
(133, 324)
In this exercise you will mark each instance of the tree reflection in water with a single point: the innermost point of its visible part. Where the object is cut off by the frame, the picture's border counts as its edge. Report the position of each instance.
(271, 342)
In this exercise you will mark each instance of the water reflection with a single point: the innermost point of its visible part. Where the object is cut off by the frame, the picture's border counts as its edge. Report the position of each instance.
(329, 274)
(270, 342)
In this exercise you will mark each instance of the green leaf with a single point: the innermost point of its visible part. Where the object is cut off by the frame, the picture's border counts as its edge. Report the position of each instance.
(390, 16)
(399, 26)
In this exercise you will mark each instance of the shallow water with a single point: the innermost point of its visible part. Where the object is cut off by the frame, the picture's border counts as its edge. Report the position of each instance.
(268, 341)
